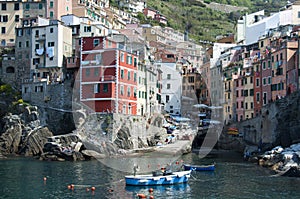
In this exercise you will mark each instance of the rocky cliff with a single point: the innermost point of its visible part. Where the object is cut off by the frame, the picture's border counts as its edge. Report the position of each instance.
(22, 134)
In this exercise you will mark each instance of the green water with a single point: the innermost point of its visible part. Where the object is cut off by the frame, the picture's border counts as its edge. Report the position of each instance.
(233, 178)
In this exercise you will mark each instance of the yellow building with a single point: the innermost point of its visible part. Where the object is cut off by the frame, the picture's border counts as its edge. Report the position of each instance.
(11, 11)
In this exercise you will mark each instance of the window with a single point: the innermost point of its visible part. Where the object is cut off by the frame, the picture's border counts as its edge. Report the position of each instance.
(168, 76)
(105, 88)
(87, 29)
(298, 14)
(122, 90)
(191, 79)
(245, 93)
(3, 6)
(237, 93)
(27, 6)
(122, 74)
(128, 75)
(122, 57)
(264, 81)
(51, 4)
(252, 105)
(265, 98)
(246, 105)
(96, 72)
(167, 98)
(51, 44)
(96, 88)
(35, 61)
(4, 18)
(17, 18)
(257, 97)
(252, 92)
(257, 82)
(129, 60)
(168, 86)
(17, 6)
(135, 62)
(128, 91)
(40, 6)
(87, 72)
(51, 14)
(134, 77)
(261, 43)
(98, 59)
(96, 42)
(242, 104)
(27, 44)
(20, 44)
(3, 30)
(237, 105)
(269, 64)
(51, 30)
(264, 65)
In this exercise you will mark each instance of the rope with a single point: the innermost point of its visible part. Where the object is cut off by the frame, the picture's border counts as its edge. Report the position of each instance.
(99, 185)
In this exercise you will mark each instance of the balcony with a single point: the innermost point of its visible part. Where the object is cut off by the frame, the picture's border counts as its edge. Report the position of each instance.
(40, 37)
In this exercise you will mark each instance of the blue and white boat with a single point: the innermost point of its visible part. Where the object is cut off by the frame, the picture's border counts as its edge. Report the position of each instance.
(210, 167)
(151, 179)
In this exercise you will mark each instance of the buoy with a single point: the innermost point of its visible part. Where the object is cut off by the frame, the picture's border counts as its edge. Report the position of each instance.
(151, 190)
(72, 186)
(69, 186)
(87, 189)
(93, 188)
(110, 190)
(45, 178)
(151, 197)
(140, 195)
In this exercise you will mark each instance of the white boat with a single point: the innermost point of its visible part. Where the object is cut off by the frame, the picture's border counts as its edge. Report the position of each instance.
(163, 179)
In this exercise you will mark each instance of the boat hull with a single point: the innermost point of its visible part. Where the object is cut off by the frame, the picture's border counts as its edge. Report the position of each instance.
(146, 180)
(199, 167)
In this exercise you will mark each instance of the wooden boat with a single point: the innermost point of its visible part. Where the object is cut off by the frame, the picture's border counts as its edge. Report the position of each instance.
(210, 167)
(162, 179)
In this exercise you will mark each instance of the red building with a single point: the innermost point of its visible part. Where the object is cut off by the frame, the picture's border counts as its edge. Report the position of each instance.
(108, 76)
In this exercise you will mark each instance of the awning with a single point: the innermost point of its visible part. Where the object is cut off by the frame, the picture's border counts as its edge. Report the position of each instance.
(180, 119)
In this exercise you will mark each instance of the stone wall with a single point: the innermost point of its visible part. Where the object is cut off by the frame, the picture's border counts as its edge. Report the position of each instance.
(54, 102)
(278, 124)
(120, 131)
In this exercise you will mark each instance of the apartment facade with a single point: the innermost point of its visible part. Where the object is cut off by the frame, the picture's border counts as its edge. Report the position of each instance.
(108, 77)
(11, 13)
(42, 48)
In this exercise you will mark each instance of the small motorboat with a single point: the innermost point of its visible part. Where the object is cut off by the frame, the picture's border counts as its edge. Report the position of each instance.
(167, 178)
(210, 167)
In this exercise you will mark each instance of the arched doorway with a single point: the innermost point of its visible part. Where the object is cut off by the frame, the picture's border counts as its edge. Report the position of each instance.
(10, 69)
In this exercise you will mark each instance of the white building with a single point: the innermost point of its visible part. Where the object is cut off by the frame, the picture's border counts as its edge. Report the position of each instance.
(255, 25)
(171, 92)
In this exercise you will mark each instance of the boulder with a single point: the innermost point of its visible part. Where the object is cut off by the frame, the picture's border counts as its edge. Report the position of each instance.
(34, 143)
(11, 136)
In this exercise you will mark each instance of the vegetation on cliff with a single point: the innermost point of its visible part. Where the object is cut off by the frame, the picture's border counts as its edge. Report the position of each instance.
(203, 21)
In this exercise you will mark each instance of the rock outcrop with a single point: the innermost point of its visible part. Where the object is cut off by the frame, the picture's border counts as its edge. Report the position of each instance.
(22, 134)
(284, 161)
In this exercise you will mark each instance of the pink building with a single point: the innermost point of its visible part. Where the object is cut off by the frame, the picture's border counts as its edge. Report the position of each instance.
(58, 8)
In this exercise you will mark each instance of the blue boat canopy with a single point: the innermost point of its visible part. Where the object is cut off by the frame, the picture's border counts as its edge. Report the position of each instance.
(181, 119)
